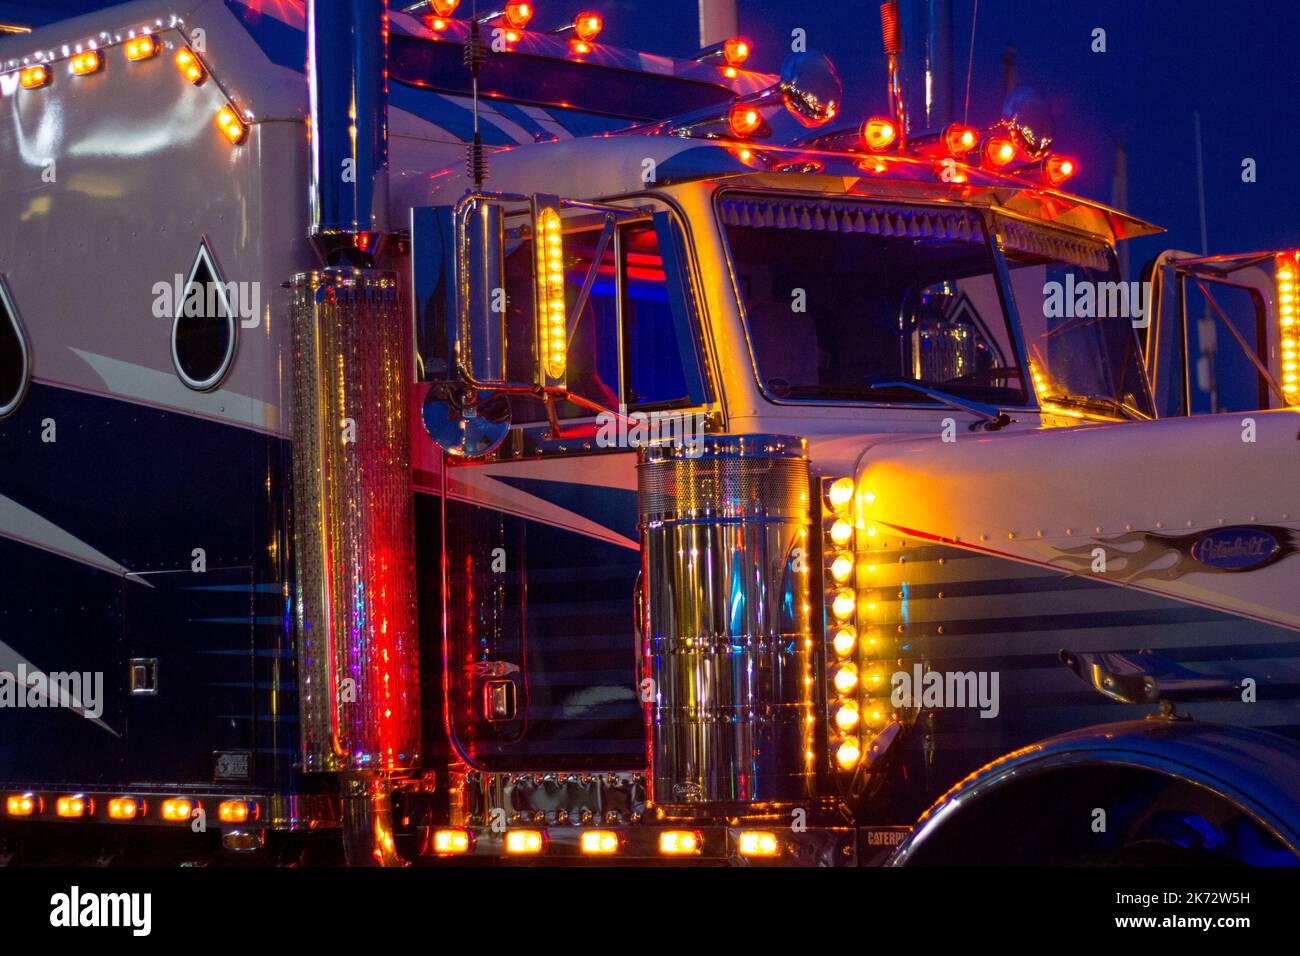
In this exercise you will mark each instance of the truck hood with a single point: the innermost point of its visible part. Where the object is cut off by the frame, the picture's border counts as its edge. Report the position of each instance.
(1204, 509)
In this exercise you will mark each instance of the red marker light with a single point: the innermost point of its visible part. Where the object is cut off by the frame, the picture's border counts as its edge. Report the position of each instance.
(1058, 169)
(735, 51)
(960, 140)
(999, 151)
(518, 13)
(588, 25)
(878, 133)
(744, 120)
(445, 8)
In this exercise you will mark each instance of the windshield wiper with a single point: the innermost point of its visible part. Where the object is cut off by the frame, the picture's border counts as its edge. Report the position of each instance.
(992, 417)
(1098, 403)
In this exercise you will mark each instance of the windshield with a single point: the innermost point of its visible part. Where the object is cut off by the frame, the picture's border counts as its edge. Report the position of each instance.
(843, 298)
(1077, 321)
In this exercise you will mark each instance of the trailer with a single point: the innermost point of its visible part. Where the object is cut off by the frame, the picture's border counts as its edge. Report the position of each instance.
(430, 439)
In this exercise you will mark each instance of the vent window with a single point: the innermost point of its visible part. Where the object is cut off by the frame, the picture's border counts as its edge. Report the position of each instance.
(203, 331)
(15, 360)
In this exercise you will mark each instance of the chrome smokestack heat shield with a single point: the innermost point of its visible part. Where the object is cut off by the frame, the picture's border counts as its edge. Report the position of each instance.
(353, 537)
(726, 646)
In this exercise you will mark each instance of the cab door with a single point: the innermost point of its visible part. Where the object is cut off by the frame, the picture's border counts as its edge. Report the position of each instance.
(1222, 336)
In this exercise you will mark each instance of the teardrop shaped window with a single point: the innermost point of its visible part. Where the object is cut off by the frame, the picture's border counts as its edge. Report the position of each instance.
(15, 360)
(203, 331)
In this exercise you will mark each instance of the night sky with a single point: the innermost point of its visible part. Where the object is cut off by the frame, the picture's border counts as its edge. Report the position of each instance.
(1238, 64)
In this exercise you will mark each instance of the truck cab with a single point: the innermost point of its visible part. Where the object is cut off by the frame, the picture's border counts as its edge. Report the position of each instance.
(627, 459)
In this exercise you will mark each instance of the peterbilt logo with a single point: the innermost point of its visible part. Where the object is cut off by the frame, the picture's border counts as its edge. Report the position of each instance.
(1236, 549)
(1143, 555)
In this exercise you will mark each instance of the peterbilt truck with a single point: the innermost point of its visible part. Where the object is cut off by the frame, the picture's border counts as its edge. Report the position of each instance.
(425, 438)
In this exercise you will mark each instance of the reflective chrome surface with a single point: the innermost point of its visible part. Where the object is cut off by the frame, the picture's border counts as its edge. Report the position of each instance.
(728, 656)
(353, 522)
(347, 44)
(464, 429)
(1029, 118)
(810, 88)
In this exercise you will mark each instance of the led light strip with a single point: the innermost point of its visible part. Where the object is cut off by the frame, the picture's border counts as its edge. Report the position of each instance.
(1287, 277)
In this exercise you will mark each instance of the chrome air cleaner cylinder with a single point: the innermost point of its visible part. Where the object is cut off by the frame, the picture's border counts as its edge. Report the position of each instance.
(353, 538)
(726, 652)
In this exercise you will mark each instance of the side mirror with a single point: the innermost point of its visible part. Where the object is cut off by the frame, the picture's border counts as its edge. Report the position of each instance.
(458, 287)
(483, 293)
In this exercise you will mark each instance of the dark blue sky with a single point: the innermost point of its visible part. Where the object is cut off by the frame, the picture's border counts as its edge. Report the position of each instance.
(1237, 63)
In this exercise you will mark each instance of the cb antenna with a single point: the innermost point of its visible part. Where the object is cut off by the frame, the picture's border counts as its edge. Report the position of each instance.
(474, 53)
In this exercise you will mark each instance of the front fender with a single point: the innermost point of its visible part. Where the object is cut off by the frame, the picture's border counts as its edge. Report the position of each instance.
(1258, 772)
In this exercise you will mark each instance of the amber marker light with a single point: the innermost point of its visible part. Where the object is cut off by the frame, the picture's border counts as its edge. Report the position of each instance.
(72, 806)
(878, 133)
(848, 715)
(758, 843)
(840, 493)
(236, 811)
(189, 66)
(744, 120)
(849, 753)
(846, 678)
(1287, 277)
(844, 641)
(83, 64)
(518, 13)
(142, 47)
(680, 842)
(600, 842)
(123, 808)
(22, 804)
(841, 532)
(176, 809)
(231, 125)
(844, 604)
(33, 77)
(523, 842)
(452, 842)
(445, 8)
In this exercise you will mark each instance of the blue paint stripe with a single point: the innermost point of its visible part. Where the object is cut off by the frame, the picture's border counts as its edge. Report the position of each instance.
(441, 111)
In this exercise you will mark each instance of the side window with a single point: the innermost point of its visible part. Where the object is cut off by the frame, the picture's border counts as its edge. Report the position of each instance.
(1220, 374)
(656, 375)
(203, 330)
(650, 370)
(15, 360)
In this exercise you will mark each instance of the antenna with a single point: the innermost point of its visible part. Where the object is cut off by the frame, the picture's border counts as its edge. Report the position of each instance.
(478, 165)
(970, 62)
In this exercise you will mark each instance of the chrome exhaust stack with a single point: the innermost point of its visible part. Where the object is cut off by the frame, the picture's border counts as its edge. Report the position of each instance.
(347, 66)
(353, 524)
(727, 656)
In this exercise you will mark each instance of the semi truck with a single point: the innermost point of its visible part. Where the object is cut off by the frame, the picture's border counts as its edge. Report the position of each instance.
(426, 438)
